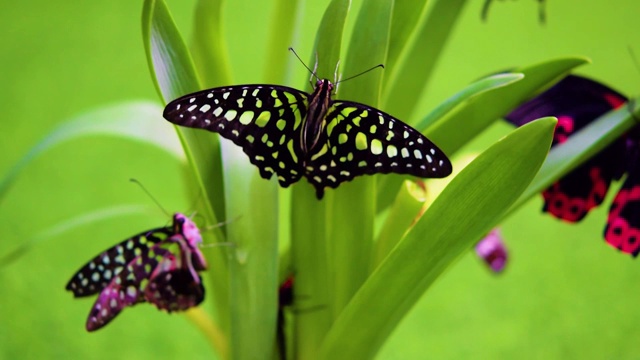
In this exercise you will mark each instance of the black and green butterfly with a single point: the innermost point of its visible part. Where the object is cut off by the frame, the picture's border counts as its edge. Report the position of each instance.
(291, 133)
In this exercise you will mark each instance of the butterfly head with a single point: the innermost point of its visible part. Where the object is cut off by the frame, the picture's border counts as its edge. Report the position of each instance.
(187, 228)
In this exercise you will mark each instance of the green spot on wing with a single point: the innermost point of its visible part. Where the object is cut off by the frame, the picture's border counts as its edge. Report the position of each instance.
(230, 115)
(246, 117)
(263, 118)
(376, 147)
(361, 141)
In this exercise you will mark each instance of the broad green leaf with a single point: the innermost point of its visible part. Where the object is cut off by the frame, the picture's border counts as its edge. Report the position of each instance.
(284, 20)
(309, 250)
(209, 47)
(412, 71)
(406, 14)
(388, 185)
(351, 207)
(173, 71)
(404, 212)
(479, 87)
(468, 208)
(456, 129)
(329, 37)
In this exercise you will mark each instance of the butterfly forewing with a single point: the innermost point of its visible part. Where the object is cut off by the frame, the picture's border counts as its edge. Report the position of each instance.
(363, 140)
(265, 120)
(94, 276)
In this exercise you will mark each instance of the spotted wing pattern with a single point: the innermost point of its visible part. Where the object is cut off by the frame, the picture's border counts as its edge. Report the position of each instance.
(159, 266)
(577, 102)
(292, 134)
(623, 223)
(264, 120)
(94, 276)
(362, 140)
(126, 289)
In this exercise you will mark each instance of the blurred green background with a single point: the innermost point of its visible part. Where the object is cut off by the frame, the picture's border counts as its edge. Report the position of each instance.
(565, 293)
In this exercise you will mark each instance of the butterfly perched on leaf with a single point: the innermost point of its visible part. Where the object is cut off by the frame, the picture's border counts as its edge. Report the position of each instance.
(293, 134)
(159, 266)
(576, 102)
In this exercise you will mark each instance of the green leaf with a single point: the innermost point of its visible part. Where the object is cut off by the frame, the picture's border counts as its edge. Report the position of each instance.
(173, 71)
(412, 71)
(209, 47)
(458, 128)
(284, 22)
(387, 185)
(351, 207)
(406, 14)
(309, 245)
(468, 208)
(479, 87)
(329, 37)
(405, 210)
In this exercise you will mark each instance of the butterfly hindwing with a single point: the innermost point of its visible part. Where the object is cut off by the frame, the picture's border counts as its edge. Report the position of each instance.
(264, 120)
(94, 276)
(363, 140)
(175, 290)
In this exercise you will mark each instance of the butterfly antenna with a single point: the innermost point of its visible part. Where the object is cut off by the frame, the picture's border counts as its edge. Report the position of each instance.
(362, 73)
(313, 72)
(336, 77)
(222, 223)
(151, 196)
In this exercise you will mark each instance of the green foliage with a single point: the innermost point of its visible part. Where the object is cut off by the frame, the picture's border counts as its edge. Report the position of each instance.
(364, 256)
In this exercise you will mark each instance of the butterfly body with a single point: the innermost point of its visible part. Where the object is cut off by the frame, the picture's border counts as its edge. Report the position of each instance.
(159, 266)
(290, 133)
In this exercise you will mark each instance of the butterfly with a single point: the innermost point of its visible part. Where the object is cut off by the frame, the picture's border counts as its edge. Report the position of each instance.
(576, 102)
(159, 266)
(291, 133)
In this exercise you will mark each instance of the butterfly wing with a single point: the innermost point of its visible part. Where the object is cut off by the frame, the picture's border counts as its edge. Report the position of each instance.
(125, 289)
(175, 290)
(95, 275)
(259, 118)
(576, 102)
(363, 140)
(623, 224)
